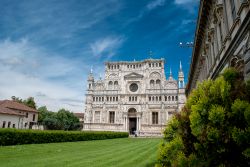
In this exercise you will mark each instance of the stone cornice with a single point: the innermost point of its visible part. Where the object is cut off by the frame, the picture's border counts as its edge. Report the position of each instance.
(135, 62)
(202, 20)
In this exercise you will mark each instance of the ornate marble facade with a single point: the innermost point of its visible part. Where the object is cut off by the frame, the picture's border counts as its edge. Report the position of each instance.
(222, 39)
(133, 96)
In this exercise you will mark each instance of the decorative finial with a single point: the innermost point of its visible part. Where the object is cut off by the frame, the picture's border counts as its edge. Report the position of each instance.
(180, 66)
(170, 72)
(91, 70)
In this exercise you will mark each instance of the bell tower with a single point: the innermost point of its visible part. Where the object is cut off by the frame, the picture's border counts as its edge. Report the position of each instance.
(181, 89)
(91, 80)
(181, 77)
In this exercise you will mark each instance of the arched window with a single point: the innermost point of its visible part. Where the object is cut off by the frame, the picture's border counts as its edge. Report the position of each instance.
(166, 98)
(176, 98)
(116, 84)
(152, 83)
(181, 84)
(169, 98)
(110, 85)
(172, 98)
(158, 83)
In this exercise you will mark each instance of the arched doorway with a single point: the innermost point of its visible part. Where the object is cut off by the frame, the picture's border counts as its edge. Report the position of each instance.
(132, 120)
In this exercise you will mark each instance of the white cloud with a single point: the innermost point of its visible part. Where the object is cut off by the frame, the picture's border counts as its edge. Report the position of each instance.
(106, 46)
(55, 21)
(150, 6)
(181, 2)
(155, 3)
(27, 70)
(189, 5)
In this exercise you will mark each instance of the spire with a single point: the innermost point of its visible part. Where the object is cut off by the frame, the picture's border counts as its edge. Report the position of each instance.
(91, 70)
(180, 74)
(91, 77)
(170, 75)
(180, 66)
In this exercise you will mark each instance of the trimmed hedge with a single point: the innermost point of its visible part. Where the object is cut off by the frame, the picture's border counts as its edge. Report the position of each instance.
(15, 136)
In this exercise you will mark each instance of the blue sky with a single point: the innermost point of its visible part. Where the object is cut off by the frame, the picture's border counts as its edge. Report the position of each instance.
(47, 47)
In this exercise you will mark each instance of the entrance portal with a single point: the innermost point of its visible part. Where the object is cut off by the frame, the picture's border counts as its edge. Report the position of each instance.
(132, 125)
(132, 120)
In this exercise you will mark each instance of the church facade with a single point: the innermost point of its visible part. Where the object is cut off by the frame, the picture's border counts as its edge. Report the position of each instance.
(133, 97)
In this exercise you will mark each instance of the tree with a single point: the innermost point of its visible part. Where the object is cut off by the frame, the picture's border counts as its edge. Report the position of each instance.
(17, 99)
(213, 129)
(51, 122)
(61, 120)
(30, 102)
(67, 120)
(43, 112)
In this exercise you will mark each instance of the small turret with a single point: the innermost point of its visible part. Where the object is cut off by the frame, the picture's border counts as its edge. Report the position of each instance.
(91, 80)
(181, 77)
(170, 76)
(181, 90)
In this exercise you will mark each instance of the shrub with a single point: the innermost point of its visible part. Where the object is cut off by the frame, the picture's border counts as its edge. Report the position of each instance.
(15, 136)
(213, 129)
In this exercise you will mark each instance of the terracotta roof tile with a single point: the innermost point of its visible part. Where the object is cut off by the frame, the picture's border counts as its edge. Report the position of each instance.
(16, 106)
(8, 111)
(79, 115)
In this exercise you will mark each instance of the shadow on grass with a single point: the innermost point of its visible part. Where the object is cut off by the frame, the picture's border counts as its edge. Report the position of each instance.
(151, 164)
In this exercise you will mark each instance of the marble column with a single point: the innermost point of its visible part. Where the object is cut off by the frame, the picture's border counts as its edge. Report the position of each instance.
(125, 123)
(138, 123)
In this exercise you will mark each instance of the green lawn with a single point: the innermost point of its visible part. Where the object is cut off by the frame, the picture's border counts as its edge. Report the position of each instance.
(114, 152)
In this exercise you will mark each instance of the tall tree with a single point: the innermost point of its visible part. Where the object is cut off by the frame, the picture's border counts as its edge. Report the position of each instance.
(214, 127)
(61, 120)
(17, 99)
(30, 102)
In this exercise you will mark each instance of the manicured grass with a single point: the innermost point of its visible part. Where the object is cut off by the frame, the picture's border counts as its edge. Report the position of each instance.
(113, 152)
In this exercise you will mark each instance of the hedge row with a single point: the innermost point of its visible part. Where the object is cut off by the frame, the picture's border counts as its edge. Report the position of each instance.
(15, 136)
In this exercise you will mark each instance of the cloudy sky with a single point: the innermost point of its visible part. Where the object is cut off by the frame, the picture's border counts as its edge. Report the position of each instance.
(47, 47)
